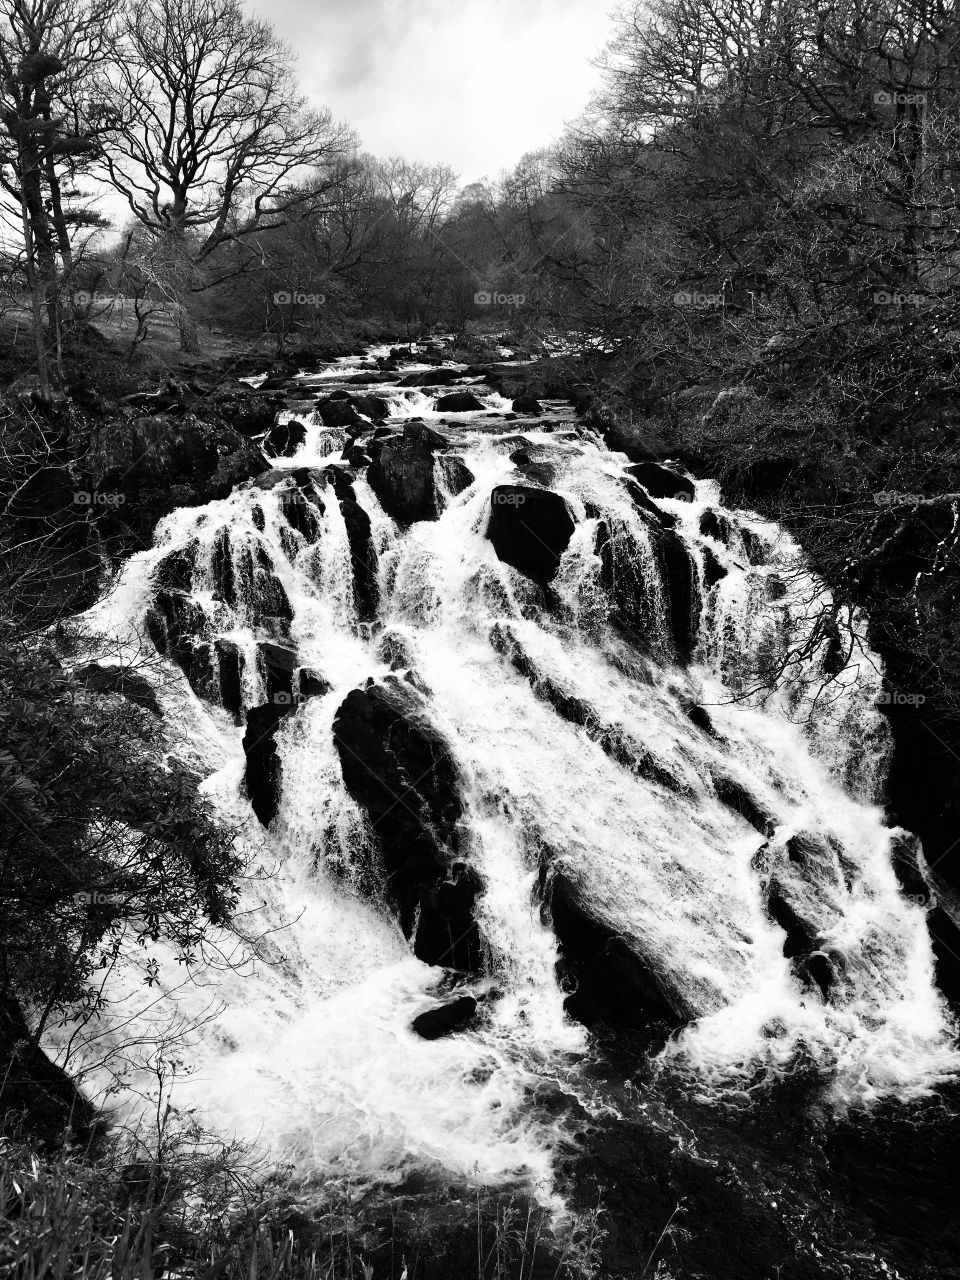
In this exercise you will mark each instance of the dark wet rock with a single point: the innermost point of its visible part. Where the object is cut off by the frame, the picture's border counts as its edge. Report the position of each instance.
(176, 570)
(157, 463)
(643, 502)
(400, 771)
(701, 718)
(356, 456)
(624, 576)
(906, 856)
(373, 407)
(416, 429)
(276, 664)
(456, 475)
(179, 629)
(366, 591)
(715, 525)
(431, 378)
(122, 680)
(284, 439)
(736, 797)
(753, 547)
(230, 672)
(458, 402)
(402, 473)
(223, 569)
(393, 648)
(37, 1097)
(301, 508)
(447, 933)
(801, 937)
(245, 578)
(608, 980)
(310, 684)
(339, 395)
(446, 1018)
(818, 970)
(534, 471)
(338, 413)
(530, 529)
(680, 579)
(527, 404)
(626, 437)
(713, 570)
(661, 482)
(262, 772)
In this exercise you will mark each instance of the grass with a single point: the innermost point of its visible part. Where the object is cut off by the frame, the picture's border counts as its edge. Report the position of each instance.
(208, 1212)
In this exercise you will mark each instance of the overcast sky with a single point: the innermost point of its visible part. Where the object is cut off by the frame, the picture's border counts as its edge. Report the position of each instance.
(473, 83)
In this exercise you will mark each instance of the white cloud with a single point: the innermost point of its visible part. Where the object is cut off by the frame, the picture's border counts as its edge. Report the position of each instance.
(473, 83)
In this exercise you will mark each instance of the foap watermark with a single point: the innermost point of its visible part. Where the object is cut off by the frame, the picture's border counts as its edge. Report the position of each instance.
(94, 897)
(84, 298)
(891, 498)
(898, 698)
(508, 499)
(692, 298)
(919, 899)
(88, 498)
(490, 298)
(284, 297)
(284, 699)
(887, 298)
(899, 97)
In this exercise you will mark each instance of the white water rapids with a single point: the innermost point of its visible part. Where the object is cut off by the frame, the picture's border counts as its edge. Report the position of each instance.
(299, 1038)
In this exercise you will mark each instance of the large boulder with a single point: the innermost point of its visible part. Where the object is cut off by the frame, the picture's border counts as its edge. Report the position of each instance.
(446, 932)
(402, 474)
(400, 771)
(446, 1018)
(284, 439)
(179, 629)
(36, 1094)
(245, 578)
(152, 464)
(262, 772)
(338, 413)
(276, 664)
(373, 407)
(431, 378)
(527, 404)
(530, 529)
(633, 599)
(611, 980)
(230, 674)
(458, 402)
(248, 413)
(661, 482)
(366, 590)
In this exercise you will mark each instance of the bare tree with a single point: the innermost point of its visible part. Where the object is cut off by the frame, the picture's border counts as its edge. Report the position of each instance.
(210, 133)
(49, 51)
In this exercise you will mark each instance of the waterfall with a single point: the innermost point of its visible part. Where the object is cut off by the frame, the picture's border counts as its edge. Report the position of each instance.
(605, 759)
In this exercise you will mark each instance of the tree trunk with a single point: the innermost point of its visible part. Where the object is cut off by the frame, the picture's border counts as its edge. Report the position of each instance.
(36, 301)
(45, 276)
(189, 336)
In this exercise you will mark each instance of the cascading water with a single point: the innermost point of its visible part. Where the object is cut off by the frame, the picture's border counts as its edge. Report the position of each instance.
(609, 752)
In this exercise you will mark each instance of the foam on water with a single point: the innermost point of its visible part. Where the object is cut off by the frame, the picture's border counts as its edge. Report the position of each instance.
(305, 1044)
